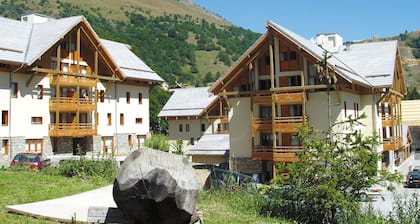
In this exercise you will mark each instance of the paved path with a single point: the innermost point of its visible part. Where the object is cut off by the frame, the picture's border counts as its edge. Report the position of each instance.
(63, 209)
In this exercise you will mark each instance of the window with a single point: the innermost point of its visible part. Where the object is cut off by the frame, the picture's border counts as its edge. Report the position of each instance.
(192, 141)
(283, 56)
(121, 119)
(109, 116)
(36, 120)
(345, 109)
(5, 146)
(293, 55)
(265, 112)
(130, 141)
(139, 120)
(180, 128)
(140, 98)
(5, 118)
(14, 90)
(102, 96)
(187, 128)
(40, 92)
(34, 145)
(203, 127)
(53, 65)
(127, 95)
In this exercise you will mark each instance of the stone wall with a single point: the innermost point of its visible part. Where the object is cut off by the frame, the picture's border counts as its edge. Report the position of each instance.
(246, 165)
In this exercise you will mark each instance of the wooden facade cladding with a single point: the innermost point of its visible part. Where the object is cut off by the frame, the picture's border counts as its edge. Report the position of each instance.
(391, 144)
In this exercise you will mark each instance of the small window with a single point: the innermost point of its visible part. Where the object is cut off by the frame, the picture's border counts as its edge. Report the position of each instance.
(293, 55)
(109, 117)
(130, 141)
(121, 119)
(36, 120)
(102, 96)
(139, 120)
(187, 128)
(203, 127)
(283, 56)
(14, 90)
(53, 65)
(140, 98)
(192, 141)
(40, 92)
(127, 95)
(5, 118)
(180, 128)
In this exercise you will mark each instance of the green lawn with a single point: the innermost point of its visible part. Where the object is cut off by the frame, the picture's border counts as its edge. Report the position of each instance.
(18, 187)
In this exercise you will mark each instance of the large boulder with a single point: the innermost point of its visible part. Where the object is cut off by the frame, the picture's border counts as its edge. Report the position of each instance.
(156, 187)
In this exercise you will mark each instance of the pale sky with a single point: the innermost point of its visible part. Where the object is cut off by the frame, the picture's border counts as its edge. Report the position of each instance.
(354, 20)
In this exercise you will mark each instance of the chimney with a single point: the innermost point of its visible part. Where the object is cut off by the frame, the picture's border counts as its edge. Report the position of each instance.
(36, 18)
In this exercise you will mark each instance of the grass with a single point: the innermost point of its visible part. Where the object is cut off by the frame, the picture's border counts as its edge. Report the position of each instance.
(17, 187)
(27, 186)
(232, 207)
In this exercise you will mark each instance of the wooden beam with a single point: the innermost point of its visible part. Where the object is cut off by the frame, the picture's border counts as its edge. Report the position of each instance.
(44, 70)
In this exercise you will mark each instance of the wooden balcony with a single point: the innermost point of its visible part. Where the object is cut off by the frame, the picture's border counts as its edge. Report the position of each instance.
(67, 80)
(72, 104)
(391, 144)
(276, 154)
(289, 98)
(281, 124)
(390, 120)
(72, 130)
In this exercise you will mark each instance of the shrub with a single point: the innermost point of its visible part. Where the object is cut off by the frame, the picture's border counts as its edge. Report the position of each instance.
(158, 141)
(106, 168)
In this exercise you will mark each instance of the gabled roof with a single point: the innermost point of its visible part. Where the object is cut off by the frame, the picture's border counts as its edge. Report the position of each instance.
(24, 43)
(368, 64)
(129, 63)
(214, 144)
(188, 102)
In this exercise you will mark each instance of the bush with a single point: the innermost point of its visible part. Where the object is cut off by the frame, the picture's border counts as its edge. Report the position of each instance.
(106, 168)
(158, 141)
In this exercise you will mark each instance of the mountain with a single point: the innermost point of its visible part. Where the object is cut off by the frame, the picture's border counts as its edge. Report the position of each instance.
(178, 39)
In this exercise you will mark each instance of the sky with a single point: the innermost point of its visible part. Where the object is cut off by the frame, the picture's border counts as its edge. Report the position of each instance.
(352, 19)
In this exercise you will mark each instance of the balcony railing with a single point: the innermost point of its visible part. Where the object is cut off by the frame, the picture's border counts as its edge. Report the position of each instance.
(281, 124)
(390, 120)
(67, 80)
(276, 154)
(72, 130)
(390, 144)
(72, 104)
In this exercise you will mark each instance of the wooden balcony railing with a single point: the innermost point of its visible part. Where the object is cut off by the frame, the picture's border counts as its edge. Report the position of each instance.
(390, 120)
(68, 80)
(390, 144)
(289, 98)
(276, 154)
(72, 104)
(281, 124)
(72, 130)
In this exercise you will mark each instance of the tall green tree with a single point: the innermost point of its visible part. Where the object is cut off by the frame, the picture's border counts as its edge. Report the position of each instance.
(331, 171)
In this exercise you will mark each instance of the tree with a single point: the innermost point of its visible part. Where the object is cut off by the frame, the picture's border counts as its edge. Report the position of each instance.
(331, 171)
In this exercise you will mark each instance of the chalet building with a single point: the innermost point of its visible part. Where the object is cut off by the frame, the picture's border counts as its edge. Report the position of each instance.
(197, 117)
(275, 86)
(64, 89)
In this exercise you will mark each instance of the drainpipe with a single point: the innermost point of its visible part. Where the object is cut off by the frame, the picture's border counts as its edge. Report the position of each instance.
(116, 118)
(10, 110)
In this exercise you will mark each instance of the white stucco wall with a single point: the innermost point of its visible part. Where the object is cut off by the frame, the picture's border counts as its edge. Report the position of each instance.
(240, 127)
(131, 111)
(26, 106)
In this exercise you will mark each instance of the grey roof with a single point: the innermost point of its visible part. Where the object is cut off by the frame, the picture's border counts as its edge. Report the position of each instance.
(371, 64)
(214, 144)
(129, 63)
(23, 42)
(188, 102)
